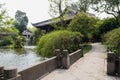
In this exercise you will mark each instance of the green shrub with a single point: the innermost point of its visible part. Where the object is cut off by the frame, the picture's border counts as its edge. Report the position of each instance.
(107, 25)
(83, 23)
(6, 41)
(112, 39)
(58, 40)
(18, 42)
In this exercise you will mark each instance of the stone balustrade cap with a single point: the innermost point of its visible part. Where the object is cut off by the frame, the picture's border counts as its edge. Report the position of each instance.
(10, 68)
(1, 66)
(110, 52)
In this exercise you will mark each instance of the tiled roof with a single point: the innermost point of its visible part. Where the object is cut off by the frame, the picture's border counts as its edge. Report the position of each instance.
(43, 23)
(70, 14)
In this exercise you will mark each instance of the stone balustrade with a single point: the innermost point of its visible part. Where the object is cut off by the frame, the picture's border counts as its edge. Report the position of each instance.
(62, 60)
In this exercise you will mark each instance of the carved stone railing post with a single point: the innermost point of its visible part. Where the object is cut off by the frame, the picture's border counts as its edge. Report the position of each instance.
(111, 63)
(59, 58)
(81, 47)
(65, 59)
(11, 74)
(117, 66)
(1, 72)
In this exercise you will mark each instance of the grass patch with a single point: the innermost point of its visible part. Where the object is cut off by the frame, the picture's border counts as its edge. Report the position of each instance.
(86, 48)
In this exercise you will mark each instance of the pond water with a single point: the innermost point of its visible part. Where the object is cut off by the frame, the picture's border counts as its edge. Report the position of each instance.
(19, 58)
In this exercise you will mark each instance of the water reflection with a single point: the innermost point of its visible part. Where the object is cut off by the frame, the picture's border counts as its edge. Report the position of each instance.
(18, 58)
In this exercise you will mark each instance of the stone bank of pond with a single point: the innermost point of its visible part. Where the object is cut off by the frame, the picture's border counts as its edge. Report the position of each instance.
(19, 58)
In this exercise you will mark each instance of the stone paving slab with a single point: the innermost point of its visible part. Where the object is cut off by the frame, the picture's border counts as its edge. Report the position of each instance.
(90, 67)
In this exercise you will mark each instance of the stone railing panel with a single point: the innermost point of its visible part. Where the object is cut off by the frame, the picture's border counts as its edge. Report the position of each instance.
(62, 60)
(75, 56)
(38, 70)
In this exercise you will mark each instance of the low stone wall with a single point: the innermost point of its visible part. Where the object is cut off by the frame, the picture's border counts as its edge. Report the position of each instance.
(75, 56)
(62, 60)
(39, 70)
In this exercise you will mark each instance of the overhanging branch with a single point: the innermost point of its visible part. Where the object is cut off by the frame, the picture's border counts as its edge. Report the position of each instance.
(111, 13)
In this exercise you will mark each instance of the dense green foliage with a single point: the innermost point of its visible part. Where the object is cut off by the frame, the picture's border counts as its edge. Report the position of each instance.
(107, 25)
(112, 39)
(13, 41)
(18, 42)
(12, 38)
(37, 34)
(96, 33)
(21, 21)
(6, 41)
(58, 40)
(84, 24)
(9, 28)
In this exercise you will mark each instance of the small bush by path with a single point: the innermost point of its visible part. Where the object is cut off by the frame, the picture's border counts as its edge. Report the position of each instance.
(58, 40)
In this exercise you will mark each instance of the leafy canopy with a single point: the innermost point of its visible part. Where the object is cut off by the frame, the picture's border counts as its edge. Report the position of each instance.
(21, 21)
(84, 24)
(58, 40)
(107, 25)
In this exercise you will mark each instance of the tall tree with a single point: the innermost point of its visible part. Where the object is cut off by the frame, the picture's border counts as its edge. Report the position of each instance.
(57, 7)
(108, 6)
(21, 21)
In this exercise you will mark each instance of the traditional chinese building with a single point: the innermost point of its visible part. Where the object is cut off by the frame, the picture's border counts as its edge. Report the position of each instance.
(69, 11)
(47, 25)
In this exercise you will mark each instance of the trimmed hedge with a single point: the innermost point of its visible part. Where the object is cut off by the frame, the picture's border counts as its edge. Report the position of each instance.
(58, 40)
(112, 39)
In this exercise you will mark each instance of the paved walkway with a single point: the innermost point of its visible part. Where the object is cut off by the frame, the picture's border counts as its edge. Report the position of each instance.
(91, 67)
